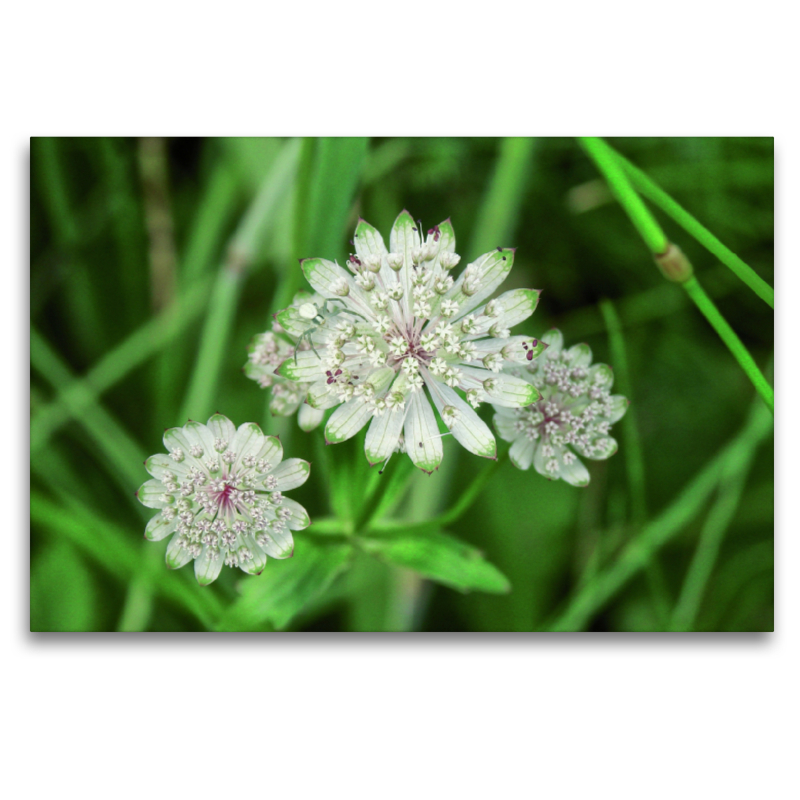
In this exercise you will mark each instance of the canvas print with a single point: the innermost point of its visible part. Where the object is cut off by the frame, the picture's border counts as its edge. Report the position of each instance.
(401, 384)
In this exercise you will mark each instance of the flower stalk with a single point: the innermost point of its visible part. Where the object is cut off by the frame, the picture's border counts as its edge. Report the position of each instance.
(671, 261)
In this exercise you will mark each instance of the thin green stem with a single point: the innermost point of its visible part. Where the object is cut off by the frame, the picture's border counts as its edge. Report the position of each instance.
(605, 160)
(78, 290)
(213, 344)
(213, 214)
(656, 195)
(634, 458)
(641, 550)
(109, 546)
(731, 340)
(499, 211)
(228, 286)
(389, 489)
(608, 162)
(711, 536)
(113, 441)
(470, 494)
(651, 304)
(74, 397)
(138, 605)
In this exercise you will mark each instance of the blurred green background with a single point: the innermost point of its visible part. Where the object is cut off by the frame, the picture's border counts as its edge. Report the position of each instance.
(154, 262)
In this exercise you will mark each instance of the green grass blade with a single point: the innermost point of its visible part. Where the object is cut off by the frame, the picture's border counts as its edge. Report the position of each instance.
(79, 394)
(711, 536)
(209, 223)
(228, 286)
(731, 340)
(641, 550)
(109, 547)
(470, 494)
(114, 442)
(644, 222)
(78, 290)
(634, 458)
(499, 212)
(606, 160)
(660, 198)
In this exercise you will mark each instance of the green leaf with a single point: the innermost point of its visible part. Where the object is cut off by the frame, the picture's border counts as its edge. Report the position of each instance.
(440, 557)
(285, 588)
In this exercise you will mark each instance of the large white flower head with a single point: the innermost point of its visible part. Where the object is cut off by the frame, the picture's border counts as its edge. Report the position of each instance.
(398, 330)
(266, 352)
(220, 495)
(574, 415)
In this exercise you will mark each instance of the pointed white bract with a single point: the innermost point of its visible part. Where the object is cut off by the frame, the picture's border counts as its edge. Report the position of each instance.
(397, 334)
(219, 492)
(267, 351)
(573, 417)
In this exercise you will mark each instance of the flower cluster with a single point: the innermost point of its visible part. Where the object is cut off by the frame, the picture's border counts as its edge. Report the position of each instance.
(397, 332)
(266, 352)
(220, 495)
(574, 414)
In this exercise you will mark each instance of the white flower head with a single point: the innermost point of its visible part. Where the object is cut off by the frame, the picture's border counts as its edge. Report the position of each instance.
(429, 338)
(223, 507)
(572, 418)
(267, 351)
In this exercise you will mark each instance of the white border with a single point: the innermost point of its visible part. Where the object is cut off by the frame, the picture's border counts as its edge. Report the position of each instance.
(434, 716)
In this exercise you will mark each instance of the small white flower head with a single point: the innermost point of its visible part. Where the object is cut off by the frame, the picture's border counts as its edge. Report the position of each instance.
(236, 513)
(572, 418)
(296, 326)
(420, 343)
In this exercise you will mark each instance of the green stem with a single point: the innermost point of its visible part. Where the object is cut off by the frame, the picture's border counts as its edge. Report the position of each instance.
(227, 289)
(390, 489)
(605, 159)
(142, 344)
(651, 304)
(656, 195)
(78, 291)
(705, 556)
(731, 340)
(634, 459)
(470, 495)
(499, 211)
(110, 547)
(111, 439)
(640, 551)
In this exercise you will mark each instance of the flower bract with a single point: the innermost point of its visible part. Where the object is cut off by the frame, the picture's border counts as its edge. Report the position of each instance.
(398, 334)
(219, 492)
(572, 418)
(266, 352)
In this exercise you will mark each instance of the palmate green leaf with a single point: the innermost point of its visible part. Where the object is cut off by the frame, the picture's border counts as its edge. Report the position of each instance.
(287, 587)
(438, 556)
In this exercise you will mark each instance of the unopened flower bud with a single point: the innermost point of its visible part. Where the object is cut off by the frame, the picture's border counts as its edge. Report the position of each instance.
(395, 261)
(366, 280)
(372, 263)
(340, 287)
(448, 260)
